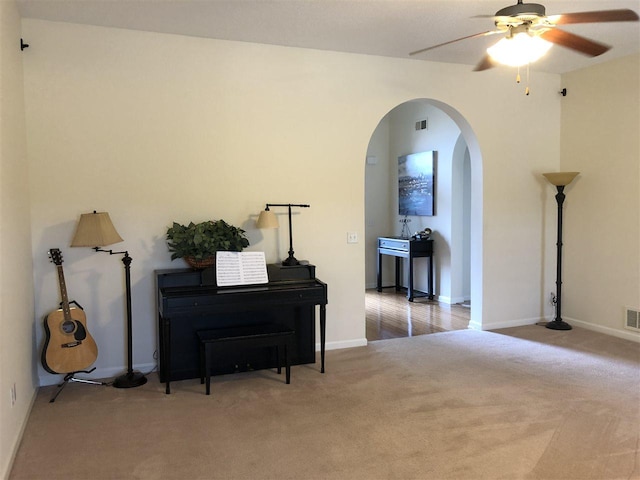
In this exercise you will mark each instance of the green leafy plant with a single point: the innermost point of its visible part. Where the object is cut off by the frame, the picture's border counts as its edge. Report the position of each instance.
(203, 240)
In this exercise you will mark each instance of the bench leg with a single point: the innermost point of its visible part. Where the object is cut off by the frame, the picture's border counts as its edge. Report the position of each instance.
(203, 363)
(207, 368)
(286, 364)
(278, 364)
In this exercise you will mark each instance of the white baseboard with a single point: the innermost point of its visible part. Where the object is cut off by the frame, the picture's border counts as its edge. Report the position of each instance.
(358, 342)
(624, 334)
(506, 324)
(452, 300)
(16, 445)
(97, 374)
(108, 373)
(102, 373)
(474, 325)
(443, 299)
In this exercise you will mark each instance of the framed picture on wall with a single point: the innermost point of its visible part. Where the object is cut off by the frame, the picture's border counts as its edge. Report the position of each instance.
(416, 184)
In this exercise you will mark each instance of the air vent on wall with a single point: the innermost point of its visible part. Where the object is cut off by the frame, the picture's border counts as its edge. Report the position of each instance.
(422, 125)
(632, 319)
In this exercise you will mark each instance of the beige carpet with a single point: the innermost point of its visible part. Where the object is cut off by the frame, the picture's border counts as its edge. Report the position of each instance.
(524, 403)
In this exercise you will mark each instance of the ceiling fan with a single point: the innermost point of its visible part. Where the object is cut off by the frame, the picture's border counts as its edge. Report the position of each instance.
(529, 33)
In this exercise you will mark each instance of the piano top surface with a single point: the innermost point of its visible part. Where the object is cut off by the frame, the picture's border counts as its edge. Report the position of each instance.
(199, 290)
(183, 290)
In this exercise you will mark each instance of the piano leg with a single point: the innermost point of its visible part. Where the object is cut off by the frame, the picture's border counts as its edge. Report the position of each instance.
(166, 340)
(323, 324)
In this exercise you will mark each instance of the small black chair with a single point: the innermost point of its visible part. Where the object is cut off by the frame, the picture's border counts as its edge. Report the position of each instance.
(244, 337)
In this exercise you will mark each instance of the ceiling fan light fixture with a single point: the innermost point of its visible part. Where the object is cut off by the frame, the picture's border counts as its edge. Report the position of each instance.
(519, 49)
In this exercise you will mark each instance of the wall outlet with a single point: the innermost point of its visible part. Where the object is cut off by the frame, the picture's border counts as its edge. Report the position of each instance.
(13, 394)
(352, 237)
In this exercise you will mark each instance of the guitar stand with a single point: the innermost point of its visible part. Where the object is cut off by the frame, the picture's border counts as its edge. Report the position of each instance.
(70, 377)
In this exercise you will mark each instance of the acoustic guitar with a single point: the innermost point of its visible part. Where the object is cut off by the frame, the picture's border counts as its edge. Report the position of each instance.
(68, 345)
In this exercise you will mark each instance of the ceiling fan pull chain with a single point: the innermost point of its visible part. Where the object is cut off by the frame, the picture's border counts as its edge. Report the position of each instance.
(518, 76)
(526, 90)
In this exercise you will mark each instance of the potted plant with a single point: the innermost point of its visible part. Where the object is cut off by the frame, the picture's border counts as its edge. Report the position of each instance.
(198, 243)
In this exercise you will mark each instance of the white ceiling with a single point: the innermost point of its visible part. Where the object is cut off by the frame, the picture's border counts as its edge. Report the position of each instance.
(390, 28)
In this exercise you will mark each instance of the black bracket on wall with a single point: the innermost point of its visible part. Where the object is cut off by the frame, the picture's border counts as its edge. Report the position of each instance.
(23, 45)
(563, 92)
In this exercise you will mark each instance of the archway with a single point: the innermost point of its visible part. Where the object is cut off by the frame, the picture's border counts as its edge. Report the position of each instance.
(430, 125)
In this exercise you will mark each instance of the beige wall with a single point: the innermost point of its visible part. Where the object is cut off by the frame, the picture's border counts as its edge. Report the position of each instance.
(155, 128)
(600, 139)
(17, 358)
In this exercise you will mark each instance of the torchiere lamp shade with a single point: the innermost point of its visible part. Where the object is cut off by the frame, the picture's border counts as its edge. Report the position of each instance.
(267, 219)
(95, 230)
(560, 179)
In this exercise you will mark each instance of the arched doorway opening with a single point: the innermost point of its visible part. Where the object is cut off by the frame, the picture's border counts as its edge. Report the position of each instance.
(416, 126)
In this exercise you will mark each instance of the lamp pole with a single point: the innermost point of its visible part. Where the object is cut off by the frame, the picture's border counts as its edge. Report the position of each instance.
(96, 230)
(560, 180)
(131, 378)
(558, 323)
(290, 261)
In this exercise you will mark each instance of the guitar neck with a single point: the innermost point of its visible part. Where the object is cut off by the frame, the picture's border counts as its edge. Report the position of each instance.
(63, 294)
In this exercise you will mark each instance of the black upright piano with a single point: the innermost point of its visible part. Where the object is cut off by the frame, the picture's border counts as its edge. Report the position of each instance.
(189, 301)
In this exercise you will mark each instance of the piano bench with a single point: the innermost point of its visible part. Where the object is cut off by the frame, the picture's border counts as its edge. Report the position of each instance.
(250, 336)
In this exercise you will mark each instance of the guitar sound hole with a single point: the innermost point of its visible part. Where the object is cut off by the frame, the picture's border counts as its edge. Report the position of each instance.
(68, 327)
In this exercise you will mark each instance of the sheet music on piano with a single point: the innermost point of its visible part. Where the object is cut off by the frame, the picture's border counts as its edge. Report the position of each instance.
(241, 268)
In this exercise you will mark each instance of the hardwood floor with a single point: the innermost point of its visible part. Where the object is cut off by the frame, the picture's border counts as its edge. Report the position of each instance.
(390, 315)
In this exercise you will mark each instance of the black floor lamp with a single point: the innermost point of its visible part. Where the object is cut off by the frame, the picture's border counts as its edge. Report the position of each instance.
(268, 219)
(96, 230)
(560, 180)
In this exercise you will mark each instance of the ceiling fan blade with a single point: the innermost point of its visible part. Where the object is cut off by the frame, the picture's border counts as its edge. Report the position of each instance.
(574, 42)
(490, 32)
(485, 64)
(622, 15)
